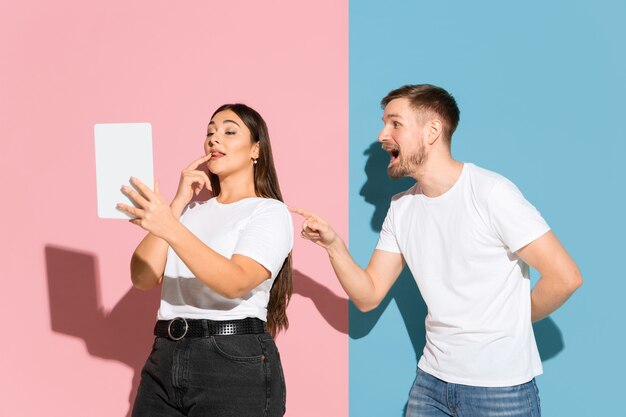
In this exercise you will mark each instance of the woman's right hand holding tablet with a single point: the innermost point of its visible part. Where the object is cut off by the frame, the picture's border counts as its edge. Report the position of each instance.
(192, 181)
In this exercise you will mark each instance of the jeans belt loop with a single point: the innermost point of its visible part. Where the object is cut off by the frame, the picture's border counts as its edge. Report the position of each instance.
(169, 328)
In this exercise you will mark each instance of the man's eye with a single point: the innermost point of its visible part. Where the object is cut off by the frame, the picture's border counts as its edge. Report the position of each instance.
(396, 124)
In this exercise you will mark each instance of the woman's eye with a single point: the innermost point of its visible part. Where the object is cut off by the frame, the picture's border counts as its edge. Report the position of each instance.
(396, 125)
(230, 132)
(209, 134)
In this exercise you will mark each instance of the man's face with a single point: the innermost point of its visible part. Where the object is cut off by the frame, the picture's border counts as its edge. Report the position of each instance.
(402, 137)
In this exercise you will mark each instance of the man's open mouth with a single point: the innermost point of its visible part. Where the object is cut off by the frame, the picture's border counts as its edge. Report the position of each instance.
(393, 154)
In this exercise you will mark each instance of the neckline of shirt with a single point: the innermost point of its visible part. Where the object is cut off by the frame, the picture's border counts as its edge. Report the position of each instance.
(235, 202)
(450, 191)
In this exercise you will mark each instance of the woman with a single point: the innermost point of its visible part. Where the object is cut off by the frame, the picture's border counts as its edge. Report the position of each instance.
(225, 270)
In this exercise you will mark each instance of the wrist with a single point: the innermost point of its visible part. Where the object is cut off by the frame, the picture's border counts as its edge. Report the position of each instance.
(172, 231)
(336, 247)
(177, 206)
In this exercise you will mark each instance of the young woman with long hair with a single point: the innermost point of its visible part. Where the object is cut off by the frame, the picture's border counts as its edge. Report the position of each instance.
(225, 269)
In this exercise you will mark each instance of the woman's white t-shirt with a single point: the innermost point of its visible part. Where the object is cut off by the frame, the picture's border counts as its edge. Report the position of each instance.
(259, 228)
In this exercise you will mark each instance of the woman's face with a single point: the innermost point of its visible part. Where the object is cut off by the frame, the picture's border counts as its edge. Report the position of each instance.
(230, 145)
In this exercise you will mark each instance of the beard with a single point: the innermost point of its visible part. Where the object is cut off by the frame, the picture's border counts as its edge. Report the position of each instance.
(405, 166)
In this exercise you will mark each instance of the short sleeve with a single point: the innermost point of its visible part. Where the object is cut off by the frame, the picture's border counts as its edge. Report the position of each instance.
(268, 236)
(514, 219)
(387, 240)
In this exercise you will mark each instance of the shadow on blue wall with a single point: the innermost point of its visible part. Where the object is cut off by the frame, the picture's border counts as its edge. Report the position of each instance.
(377, 191)
(549, 338)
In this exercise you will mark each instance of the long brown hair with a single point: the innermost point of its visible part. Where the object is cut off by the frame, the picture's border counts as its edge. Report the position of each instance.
(265, 185)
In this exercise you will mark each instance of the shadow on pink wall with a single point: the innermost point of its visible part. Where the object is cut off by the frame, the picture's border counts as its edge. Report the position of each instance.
(332, 308)
(124, 334)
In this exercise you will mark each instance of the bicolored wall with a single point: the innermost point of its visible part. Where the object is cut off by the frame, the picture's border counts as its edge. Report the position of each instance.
(540, 86)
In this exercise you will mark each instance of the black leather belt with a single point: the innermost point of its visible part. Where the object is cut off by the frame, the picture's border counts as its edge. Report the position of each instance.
(180, 327)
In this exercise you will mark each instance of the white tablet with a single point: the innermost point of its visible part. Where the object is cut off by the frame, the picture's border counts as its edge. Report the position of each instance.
(123, 150)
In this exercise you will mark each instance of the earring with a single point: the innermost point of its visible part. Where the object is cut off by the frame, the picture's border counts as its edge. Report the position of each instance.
(255, 162)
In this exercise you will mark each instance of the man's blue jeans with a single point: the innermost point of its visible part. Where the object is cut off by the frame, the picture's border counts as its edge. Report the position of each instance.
(432, 397)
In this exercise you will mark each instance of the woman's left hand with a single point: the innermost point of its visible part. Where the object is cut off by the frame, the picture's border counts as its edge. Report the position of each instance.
(153, 214)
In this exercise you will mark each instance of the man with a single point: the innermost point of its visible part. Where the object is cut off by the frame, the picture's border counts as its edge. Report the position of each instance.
(468, 236)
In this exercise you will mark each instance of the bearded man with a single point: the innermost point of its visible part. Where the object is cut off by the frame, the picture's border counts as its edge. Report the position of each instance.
(468, 236)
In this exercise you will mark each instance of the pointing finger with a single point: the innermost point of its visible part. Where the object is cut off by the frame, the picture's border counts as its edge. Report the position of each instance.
(312, 225)
(302, 212)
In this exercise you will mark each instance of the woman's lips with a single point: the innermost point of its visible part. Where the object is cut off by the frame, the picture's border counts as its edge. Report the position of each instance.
(215, 155)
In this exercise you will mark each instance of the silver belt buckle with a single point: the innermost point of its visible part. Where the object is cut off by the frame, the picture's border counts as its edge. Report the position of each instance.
(169, 328)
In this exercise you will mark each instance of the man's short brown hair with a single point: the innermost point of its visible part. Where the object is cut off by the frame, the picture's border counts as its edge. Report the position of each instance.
(426, 97)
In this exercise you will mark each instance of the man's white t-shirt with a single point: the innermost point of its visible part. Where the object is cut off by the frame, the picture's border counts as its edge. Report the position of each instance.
(259, 228)
(460, 248)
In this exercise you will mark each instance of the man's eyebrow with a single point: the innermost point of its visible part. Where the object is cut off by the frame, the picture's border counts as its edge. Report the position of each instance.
(225, 121)
(390, 115)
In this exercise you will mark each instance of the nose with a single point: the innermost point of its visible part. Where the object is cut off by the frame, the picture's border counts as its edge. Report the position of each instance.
(383, 135)
(213, 140)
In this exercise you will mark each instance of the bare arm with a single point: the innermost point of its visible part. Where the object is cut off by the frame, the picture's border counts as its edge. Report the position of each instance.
(365, 287)
(147, 264)
(231, 278)
(559, 275)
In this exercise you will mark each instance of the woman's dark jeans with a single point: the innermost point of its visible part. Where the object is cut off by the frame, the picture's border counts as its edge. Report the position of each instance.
(217, 376)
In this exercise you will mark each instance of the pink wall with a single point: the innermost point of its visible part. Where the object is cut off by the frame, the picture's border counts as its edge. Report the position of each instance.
(74, 334)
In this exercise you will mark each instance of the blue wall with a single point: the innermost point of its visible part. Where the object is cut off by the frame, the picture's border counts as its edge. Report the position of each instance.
(541, 87)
